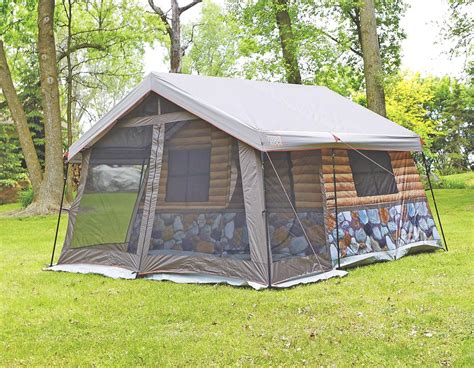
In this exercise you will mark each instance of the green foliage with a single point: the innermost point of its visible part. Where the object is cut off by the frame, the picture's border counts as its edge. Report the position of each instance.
(7, 183)
(214, 48)
(338, 21)
(326, 40)
(28, 90)
(441, 111)
(459, 32)
(16, 23)
(453, 107)
(11, 169)
(456, 181)
(26, 197)
(30, 96)
(258, 40)
(408, 99)
(18, 30)
(106, 43)
(416, 311)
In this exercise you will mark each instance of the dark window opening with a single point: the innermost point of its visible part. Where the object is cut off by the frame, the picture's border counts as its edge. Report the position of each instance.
(372, 172)
(188, 175)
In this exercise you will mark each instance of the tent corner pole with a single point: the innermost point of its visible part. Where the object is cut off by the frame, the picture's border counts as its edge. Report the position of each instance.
(335, 208)
(428, 171)
(66, 166)
(265, 214)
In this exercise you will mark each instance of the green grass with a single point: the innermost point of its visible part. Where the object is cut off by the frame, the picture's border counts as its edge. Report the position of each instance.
(9, 207)
(457, 181)
(417, 311)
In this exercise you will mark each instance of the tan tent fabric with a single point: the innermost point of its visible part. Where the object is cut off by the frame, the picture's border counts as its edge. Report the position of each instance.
(152, 187)
(254, 196)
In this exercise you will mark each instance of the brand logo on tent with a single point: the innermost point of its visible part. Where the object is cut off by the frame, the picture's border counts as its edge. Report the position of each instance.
(274, 140)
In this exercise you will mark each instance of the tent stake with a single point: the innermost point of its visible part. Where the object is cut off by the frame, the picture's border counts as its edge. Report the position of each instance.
(265, 213)
(427, 169)
(59, 216)
(335, 207)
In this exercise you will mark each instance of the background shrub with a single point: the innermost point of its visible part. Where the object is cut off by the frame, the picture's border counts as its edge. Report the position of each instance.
(26, 197)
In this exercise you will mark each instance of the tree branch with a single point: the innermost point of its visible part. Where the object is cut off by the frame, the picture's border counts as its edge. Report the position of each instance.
(353, 13)
(80, 46)
(190, 41)
(339, 42)
(162, 15)
(189, 6)
(115, 29)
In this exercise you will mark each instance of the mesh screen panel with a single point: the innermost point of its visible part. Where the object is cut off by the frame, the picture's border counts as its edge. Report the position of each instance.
(298, 241)
(110, 202)
(200, 208)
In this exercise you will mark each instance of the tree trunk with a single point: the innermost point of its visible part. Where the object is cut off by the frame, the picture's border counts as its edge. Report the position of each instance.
(288, 42)
(69, 98)
(19, 117)
(51, 188)
(175, 38)
(373, 71)
(174, 30)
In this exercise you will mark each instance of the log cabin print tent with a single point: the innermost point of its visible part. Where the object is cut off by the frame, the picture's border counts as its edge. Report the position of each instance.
(203, 179)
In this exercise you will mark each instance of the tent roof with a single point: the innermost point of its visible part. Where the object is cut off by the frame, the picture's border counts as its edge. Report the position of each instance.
(267, 116)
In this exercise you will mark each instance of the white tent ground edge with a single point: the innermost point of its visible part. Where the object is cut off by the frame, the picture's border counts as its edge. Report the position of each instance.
(123, 273)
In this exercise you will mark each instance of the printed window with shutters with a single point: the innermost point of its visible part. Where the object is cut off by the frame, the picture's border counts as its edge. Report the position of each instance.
(188, 175)
(372, 173)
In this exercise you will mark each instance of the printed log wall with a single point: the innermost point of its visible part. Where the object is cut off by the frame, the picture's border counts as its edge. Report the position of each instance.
(299, 173)
(406, 176)
(306, 176)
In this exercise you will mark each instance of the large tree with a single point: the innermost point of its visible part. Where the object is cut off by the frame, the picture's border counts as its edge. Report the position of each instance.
(51, 187)
(268, 42)
(371, 31)
(47, 184)
(18, 27)
(173, 29)
(373, 70)
(289, 44)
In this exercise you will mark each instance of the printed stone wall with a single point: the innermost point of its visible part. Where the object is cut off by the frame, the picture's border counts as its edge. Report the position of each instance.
(221, 234)
(381, 229)
(226, 234)
(360, 232)
(287, 238)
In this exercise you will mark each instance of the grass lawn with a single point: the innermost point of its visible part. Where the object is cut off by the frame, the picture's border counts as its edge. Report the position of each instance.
(416, 311)
(9, 207)
(458, 181)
